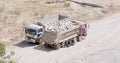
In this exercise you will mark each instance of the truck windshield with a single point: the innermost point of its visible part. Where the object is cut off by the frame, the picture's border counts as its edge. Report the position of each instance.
(31, 31)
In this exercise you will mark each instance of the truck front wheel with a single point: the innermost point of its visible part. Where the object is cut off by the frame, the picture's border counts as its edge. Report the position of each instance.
(36, 42)
(47, 45)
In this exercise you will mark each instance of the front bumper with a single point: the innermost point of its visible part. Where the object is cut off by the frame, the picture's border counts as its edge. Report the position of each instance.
(30, 39)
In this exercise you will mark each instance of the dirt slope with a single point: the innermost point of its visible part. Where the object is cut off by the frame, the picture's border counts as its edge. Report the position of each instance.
(100, 46)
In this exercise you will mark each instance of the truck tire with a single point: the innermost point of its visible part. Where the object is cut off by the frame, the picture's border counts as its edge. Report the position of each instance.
(57, 46)
(78, 38)
(36, 43)
(46, 45)
(69, 43)
(75, 40)
(72, 42)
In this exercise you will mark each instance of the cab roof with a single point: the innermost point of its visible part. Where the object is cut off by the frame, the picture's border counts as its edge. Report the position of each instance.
(34, 26)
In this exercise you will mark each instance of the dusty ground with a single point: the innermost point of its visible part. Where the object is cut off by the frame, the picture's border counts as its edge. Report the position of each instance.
(16, 14)
(100, 46)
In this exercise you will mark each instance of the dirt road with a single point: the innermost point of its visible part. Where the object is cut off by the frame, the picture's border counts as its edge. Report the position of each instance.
(102, 45)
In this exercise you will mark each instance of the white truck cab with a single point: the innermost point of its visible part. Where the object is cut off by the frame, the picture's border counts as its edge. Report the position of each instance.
(33, 33)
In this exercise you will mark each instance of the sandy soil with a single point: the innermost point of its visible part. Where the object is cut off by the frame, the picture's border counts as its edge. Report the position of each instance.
(100, 46)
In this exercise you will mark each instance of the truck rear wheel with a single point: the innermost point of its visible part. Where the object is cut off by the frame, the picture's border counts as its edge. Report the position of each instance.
(70, 43)
(57, 46)
(67, 43)
(78, 38)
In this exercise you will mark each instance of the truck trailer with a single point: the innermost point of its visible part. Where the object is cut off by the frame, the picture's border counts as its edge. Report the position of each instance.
(64, 33)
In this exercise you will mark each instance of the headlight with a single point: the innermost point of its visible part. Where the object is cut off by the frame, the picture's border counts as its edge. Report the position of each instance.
(32, 40)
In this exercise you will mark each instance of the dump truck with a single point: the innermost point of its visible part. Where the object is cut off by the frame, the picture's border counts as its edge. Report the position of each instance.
(33, 32)
(64, 33)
